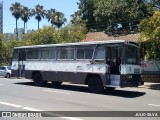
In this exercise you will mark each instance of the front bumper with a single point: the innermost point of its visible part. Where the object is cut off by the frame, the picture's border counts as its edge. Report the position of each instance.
(133, 80)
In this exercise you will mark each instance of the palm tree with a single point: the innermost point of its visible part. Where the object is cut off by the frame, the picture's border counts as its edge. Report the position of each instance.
(16, 12)
(25, 15)
(76, 18)
(39, 13)
(59, 19)
(50, 15)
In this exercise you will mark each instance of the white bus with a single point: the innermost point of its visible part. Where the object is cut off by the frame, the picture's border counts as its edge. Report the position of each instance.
(100, 64)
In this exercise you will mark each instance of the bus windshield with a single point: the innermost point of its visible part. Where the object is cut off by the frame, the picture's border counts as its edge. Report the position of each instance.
(132, 55)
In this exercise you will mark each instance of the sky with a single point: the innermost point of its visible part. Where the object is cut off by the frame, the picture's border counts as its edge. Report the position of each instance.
(67, 7)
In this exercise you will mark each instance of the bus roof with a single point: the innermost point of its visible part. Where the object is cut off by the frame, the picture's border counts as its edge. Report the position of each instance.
(77, 43)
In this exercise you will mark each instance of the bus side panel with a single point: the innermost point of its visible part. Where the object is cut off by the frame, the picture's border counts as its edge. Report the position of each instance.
(54, 76)
(76, 77)
(73, 77)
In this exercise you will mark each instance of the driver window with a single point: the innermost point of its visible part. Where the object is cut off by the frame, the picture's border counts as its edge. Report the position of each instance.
(100, 53)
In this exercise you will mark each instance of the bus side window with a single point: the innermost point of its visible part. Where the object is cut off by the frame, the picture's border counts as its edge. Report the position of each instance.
(66, 53)
(89, 52)
(70, 53)
(44, 54)
(33, 54)
(52, 53)
(22, 55)
(84, 52)
(80, 53)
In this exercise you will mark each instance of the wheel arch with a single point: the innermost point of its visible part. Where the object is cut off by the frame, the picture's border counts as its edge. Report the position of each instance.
(91, 75)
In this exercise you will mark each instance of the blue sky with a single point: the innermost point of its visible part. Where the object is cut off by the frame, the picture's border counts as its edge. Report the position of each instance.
(68, 7)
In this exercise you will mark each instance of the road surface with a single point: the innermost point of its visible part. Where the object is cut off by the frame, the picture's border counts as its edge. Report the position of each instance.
(22, 95)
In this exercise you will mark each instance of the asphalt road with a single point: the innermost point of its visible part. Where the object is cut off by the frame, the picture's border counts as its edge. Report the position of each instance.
(22, 95)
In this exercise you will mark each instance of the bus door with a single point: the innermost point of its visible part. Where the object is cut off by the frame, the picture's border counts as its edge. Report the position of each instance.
(21, 63)
(114, 60)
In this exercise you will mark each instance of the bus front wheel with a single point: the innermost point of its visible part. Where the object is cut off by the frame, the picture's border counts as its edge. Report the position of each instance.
(38, 80)
(95, 84)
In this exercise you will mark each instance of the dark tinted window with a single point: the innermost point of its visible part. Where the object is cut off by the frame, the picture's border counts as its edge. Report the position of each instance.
(85, 52)
(66, 53)
(22, 55)
(48, 53)
(32, 54)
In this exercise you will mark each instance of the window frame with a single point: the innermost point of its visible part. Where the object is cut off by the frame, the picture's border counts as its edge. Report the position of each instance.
(33, 49)
(64, 47)
(84, 47)
(49, 49)
(95, 53)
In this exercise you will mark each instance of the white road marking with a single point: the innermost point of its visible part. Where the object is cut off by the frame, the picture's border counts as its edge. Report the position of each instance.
(31, 109)
(10, 104)
(56, 92)
(1, 84)
(154, 105)
(71, 118)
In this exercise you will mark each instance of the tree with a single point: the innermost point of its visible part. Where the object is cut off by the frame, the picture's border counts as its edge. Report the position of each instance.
(156, 3)
(150, 35)
(25, 15)
(16, 12)
(109, 15)
(1, 46)
(50, 15)
(76, 18)
(45, 35)
(78, 32)
(86, 10)
(59, 19)
(39, 13)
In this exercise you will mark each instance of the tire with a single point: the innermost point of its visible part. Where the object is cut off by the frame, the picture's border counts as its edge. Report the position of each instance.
(56, 84)
(8, 75)
(38, 80)
(95, 84)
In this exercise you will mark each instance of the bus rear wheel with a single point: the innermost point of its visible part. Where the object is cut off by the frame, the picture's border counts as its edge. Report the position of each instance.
(38, 80)
(95, 84)
(56, 84)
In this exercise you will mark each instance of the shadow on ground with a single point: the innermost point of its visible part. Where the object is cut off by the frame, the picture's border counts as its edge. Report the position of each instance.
(154, 86)
(118, 93)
